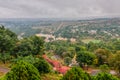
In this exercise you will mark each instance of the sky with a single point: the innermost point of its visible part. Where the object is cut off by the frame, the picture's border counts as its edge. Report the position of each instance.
(59, 8)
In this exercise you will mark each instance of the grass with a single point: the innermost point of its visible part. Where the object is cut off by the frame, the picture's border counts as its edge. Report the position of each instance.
(90, 40)
(2, 77)
(51, 76)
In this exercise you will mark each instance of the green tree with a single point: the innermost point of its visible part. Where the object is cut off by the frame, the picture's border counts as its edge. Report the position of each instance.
(60, 51)
(23, 48)
(6, 57)
(116, 44)
(80, 48)
(42, 66)
(33, 45)
(104, 76)
(85, 57)
(102, 56)
(23, 71)
(7, 41)
(115, 61)
(76, 73)
(30, 59)
(38, 45)
(105, 68)
(92, 46)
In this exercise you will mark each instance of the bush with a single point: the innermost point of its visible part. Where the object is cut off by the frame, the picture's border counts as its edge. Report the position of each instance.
(105, 68)
(104, 76)
(42, 66)
(76, 73)
(23, 71)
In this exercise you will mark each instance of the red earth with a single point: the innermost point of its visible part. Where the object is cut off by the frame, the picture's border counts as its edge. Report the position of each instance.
(57, 66)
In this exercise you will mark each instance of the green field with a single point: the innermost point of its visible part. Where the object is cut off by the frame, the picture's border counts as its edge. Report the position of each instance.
(90, 40)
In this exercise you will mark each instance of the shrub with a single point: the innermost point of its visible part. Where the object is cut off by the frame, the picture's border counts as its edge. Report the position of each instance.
(76, 73)
(105, 68)
(42, 66)
(23, 71)
(104, 76)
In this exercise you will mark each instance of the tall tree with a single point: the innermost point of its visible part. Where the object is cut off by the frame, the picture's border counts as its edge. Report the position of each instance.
(33, 45)
(102, 56)
(38, 45)
(85, 57)
(7, 41)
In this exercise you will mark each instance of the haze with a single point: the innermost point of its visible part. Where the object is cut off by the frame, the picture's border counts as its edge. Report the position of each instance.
(59, 8)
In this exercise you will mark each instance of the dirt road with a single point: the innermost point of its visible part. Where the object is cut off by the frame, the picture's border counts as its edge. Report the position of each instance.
(3, 69)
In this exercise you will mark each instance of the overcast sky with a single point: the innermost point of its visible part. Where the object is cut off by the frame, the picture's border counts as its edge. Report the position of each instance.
(58, 8)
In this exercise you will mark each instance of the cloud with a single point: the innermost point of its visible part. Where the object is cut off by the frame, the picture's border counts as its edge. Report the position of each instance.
(58, 8)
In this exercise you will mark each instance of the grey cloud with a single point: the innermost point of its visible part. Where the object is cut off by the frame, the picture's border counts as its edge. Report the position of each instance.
(58, 8)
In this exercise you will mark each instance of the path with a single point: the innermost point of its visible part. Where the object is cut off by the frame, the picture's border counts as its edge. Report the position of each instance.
(3, 69)
(74, 62)
(61, 24)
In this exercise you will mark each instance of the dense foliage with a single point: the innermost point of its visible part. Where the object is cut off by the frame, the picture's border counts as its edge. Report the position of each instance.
(85, 57)
(104, 76)
(76, 73)
(30, 59)
(42, 66)
(23, 71)
(7, 42)
(102, 56)
(115, 62)
(29, 46)
(104, 68)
